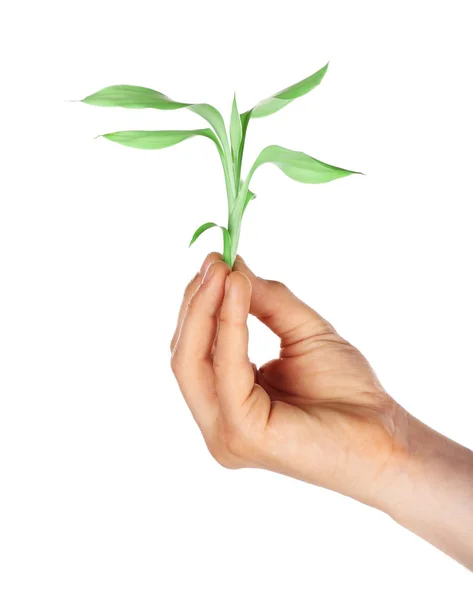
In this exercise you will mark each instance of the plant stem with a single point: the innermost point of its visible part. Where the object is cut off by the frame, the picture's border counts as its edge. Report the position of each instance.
(234, 236)
(234, 227)
(234, 222)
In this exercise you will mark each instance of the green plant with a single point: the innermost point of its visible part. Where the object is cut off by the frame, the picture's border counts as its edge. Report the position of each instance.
(297, 165)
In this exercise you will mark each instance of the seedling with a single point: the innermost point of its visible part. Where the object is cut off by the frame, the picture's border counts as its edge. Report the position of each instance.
(297, 165)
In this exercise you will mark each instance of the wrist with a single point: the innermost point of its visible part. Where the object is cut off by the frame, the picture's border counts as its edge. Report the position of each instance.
(428, 488)
(422, 459)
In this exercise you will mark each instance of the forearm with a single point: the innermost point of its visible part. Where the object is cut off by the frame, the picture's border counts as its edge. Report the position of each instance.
(428, 488)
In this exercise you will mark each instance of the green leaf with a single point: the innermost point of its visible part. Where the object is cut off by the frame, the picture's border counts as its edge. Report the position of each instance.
(226, 239)
(249, 197)
(284, 97)
(155, 140)
(277, 101)
(200, 230)
(235, 129)
(213, 117)
(300, 166)
(296, 165)
(134, 96)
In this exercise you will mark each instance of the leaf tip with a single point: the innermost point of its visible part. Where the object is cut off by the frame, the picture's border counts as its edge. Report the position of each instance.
(356, 173)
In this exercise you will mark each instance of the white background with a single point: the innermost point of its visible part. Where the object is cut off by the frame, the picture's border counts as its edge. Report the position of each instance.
(107, 489)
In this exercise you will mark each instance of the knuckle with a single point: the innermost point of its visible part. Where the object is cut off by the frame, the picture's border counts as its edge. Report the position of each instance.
(234, 444)
(224, 459)
(221, 455)
(172, 344)
(176, 364)
(277, 285)
(235, 440)
(228, 445)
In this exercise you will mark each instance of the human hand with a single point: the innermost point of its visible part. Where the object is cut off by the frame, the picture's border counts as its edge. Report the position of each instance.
(317, 412)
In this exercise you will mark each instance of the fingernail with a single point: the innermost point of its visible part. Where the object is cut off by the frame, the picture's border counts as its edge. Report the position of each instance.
(208, 273)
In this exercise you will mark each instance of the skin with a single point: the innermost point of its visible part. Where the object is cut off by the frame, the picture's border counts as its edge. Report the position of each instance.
(317, 412)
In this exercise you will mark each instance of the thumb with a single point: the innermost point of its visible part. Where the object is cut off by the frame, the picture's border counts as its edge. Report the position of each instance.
(280, 310)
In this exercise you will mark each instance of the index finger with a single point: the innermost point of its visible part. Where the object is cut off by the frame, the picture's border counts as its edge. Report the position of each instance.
(190, 291)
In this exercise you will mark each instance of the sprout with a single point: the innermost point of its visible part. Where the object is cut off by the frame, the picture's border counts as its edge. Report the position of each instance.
(296, 165)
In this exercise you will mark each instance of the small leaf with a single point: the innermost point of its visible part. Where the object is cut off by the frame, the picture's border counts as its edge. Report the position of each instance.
(132, 96)
(284, 97)
(155, 140)
(235, 129)
(226, 239)
(296, 165)
(275, 102)
(200, 230)
(300, 166)
(249, 197)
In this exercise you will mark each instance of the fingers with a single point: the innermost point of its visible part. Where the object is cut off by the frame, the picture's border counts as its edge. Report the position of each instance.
(199, 325)
(278, 308)
(190, 291)
(191, 360)
(234, 375)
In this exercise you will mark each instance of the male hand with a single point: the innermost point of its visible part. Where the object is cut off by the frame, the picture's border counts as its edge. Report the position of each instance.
(317, 412)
